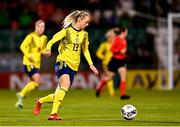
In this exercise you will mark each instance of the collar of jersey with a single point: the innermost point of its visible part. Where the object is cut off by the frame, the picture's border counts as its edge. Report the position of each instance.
(37, 34)
(75, 28)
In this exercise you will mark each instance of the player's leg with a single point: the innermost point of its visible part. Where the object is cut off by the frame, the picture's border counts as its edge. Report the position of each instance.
(110, 87)
(109, 83)
(64, 80)
(65, 76)
(47, 99)
(122, 85)
(39, 101)
(19, 103)
(33, 82)
(101, 85)
(106, 77)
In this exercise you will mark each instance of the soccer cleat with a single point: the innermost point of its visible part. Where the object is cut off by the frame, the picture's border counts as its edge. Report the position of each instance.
(54, 117)
(97, 93)
(37, 107)
(125, 97)
(19, 103)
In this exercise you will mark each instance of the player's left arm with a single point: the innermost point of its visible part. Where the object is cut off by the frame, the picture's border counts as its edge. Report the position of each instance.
(118, 47)
(85, 50)
(123, 51)
(123, 48)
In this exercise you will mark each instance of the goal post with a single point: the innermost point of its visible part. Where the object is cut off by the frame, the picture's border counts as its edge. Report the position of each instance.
(171, 17)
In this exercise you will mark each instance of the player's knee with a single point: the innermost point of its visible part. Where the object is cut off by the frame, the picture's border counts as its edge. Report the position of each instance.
(37, 80)
(64, 89)
(65, 85)
(36, 84)
(109, 77)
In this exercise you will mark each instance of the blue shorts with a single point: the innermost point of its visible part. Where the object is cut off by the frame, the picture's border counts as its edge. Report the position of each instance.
(30, 70)
(62, 68)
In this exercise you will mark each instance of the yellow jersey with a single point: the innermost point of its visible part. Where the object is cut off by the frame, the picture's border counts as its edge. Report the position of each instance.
(33, 46)
(71, 43)
(104, 53)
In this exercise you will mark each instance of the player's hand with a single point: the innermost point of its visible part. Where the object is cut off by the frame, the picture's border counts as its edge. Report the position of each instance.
(47, 53)
(123, 51)
(93, 68)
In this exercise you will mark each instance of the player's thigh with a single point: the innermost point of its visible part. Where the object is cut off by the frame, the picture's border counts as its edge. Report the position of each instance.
(64, 81)
(36, 77)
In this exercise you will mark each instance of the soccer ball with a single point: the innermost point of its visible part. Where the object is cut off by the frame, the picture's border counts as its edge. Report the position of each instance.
(128, 112)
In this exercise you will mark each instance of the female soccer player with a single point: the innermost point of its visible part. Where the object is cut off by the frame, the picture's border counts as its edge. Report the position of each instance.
(105, 55)
(118, 60)
(72, 40)
(32, 47)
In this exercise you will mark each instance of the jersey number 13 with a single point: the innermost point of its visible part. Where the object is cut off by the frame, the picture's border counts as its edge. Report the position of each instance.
(75, 47)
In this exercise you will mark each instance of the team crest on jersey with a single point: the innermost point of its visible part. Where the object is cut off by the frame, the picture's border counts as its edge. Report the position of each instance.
(77, 38)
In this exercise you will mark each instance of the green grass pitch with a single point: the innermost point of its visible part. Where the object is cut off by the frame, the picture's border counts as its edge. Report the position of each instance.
(82, 108)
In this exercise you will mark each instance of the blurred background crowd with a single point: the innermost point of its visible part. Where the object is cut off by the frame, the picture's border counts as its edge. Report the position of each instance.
(18, 14)
(143, 18)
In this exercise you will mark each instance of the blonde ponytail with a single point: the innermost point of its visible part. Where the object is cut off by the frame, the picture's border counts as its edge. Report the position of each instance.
(72, 17)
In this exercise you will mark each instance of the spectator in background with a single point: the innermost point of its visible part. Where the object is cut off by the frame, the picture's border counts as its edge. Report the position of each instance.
(14, 12)
(4, 16)
(32, 47)
(25, 18)
(125, 7)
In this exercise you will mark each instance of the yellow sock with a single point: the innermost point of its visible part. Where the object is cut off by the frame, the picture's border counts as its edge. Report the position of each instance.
(47, 99)
(28, 88)
(58, 98)
(110, 87)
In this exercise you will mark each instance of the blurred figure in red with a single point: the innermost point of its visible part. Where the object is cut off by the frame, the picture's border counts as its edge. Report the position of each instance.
(118, 60)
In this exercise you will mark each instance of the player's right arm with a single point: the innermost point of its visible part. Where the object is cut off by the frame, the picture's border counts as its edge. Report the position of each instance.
(24, 46)
(100, 51)
(58, 36)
